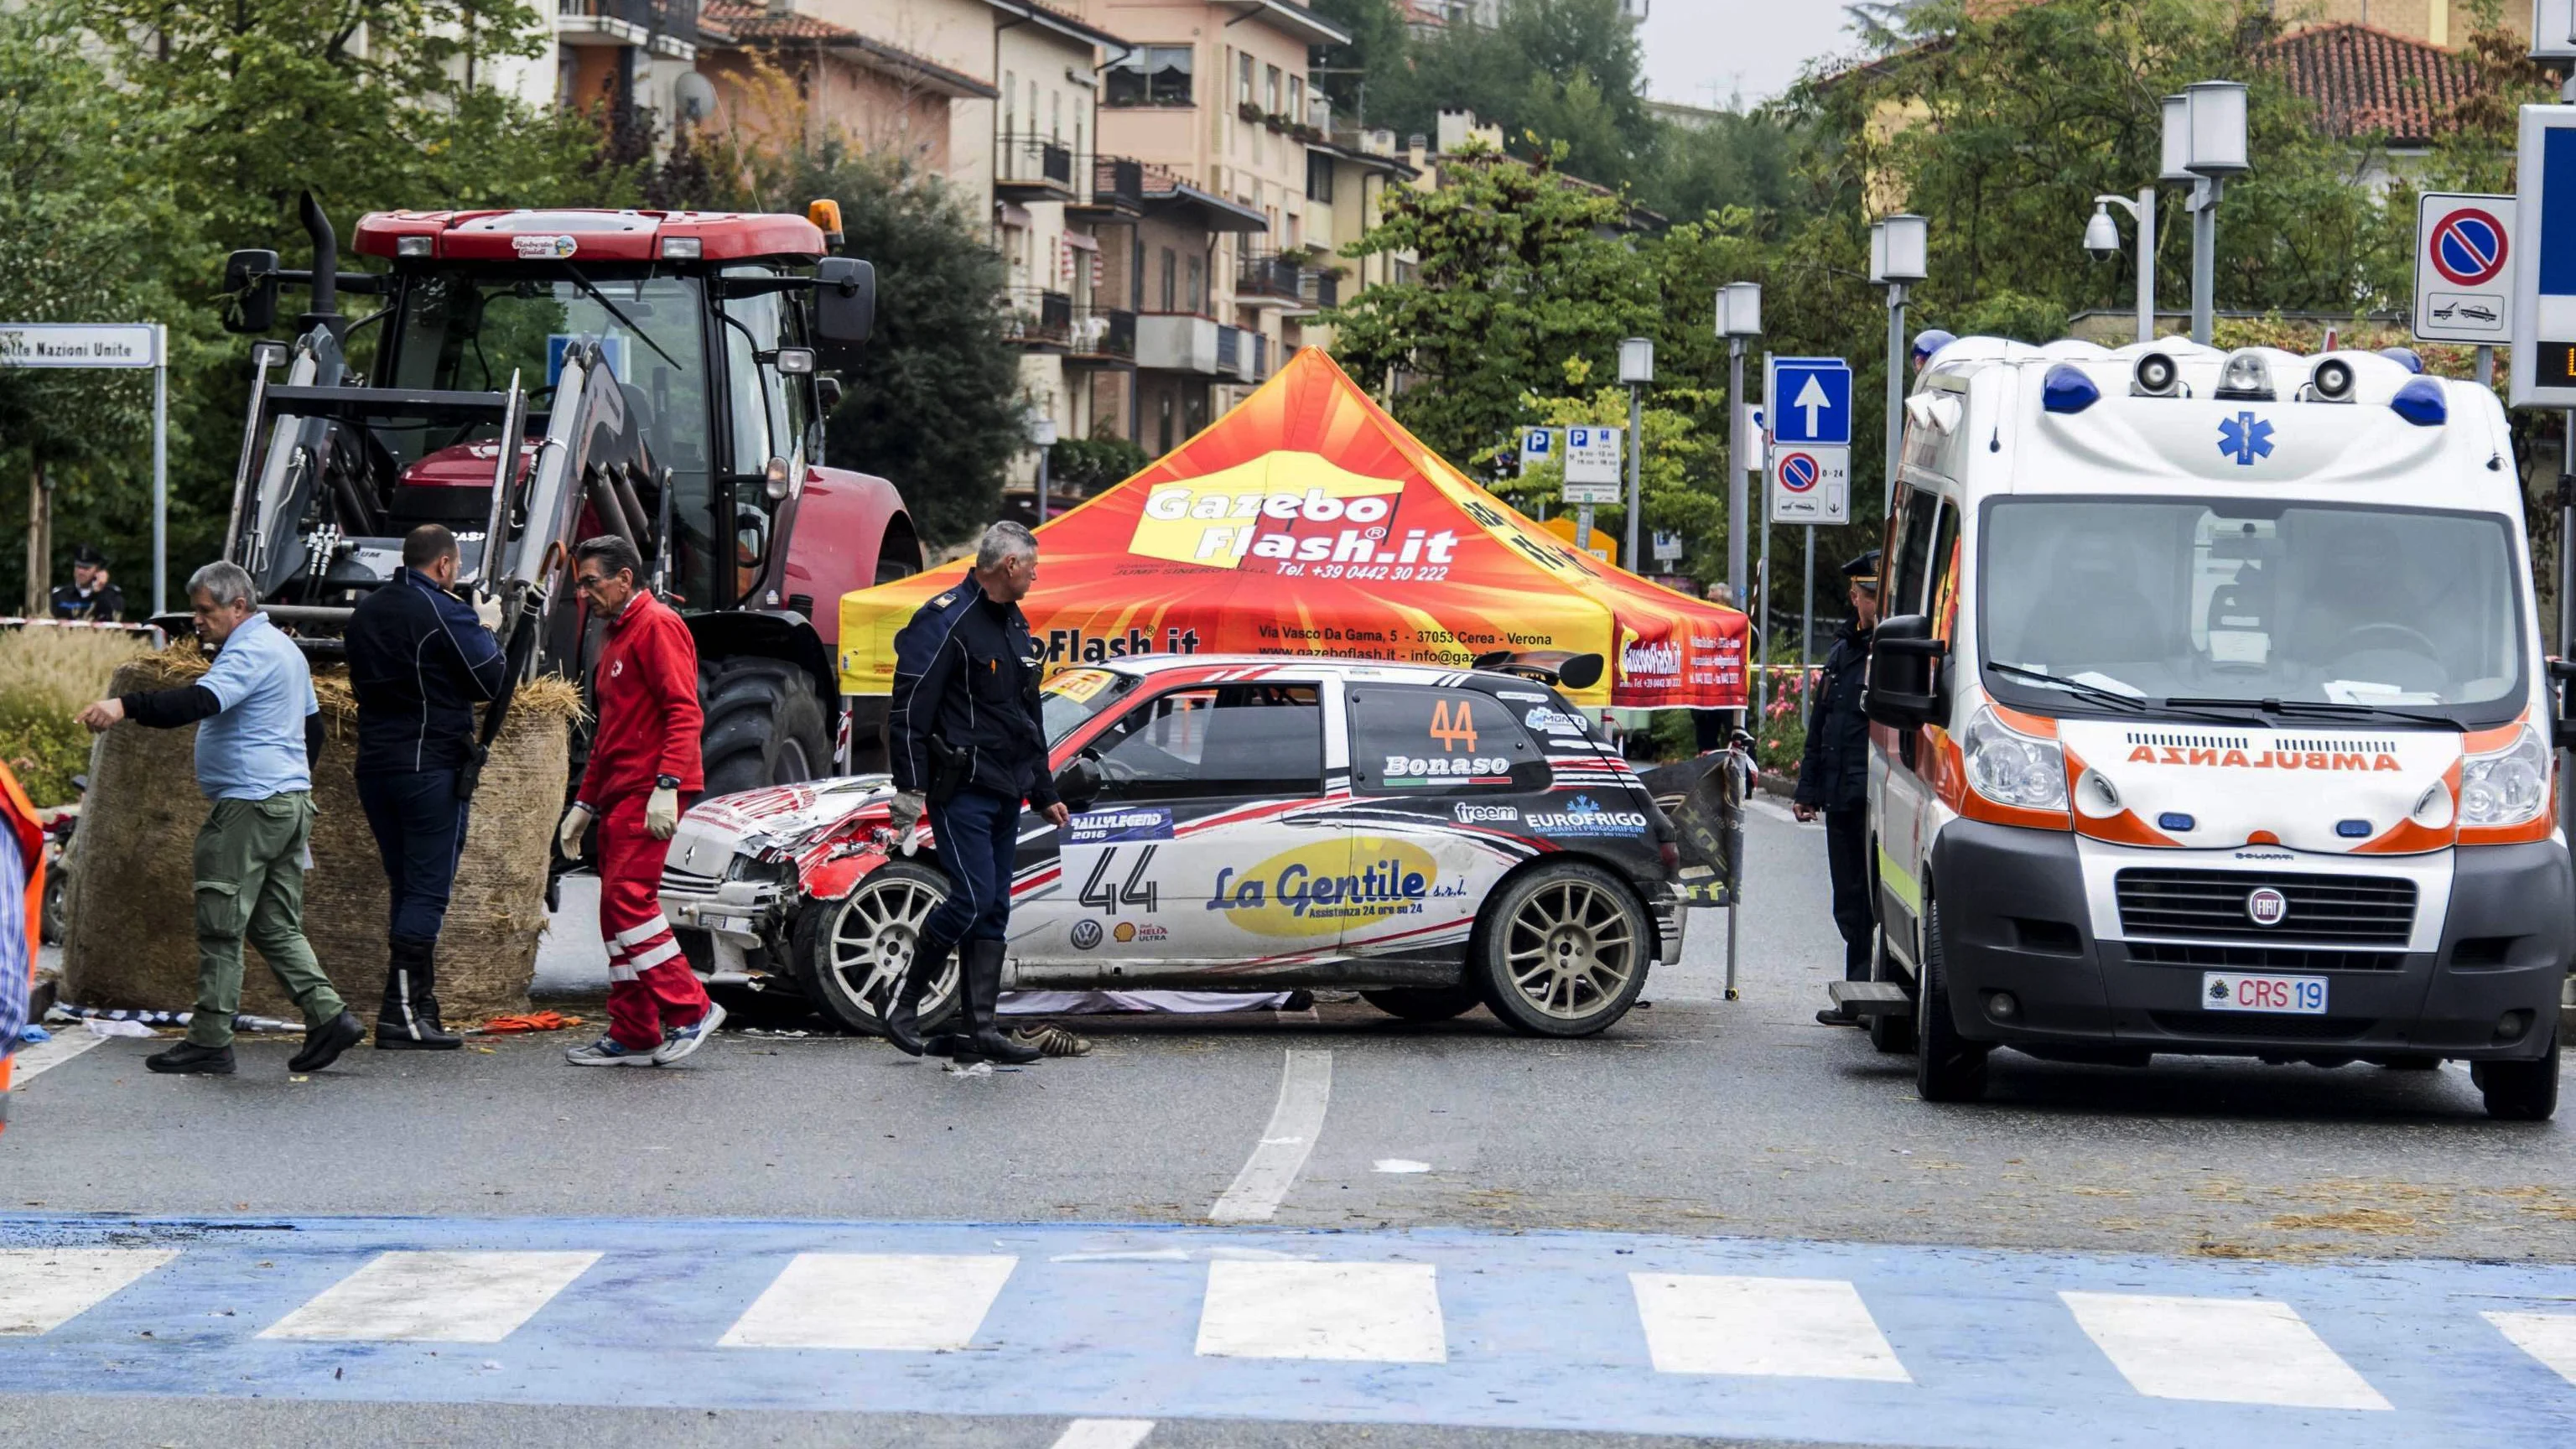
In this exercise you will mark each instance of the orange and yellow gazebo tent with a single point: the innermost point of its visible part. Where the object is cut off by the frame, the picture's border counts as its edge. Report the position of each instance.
(1308, 522)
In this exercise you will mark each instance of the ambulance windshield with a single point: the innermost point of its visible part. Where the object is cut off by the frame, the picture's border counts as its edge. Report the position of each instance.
(2220, 599)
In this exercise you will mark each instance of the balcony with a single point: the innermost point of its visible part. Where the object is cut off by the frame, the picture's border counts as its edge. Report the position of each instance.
(1178, 342)
(1268, 280)
(666, 27)
(1103, 338)
(1039, 321)
(1117, 191)
(1027, 169)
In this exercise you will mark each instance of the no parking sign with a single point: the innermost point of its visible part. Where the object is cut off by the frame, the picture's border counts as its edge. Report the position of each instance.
(2463, 247)
(1811, 485)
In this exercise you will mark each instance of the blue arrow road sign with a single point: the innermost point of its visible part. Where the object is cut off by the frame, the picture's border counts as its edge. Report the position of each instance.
(1811, 401)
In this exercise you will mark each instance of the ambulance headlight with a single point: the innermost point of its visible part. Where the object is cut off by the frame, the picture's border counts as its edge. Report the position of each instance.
(2507, 786)
(2012, 768)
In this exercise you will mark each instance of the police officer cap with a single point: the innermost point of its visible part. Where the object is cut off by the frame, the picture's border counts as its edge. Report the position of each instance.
(1864, 569)
(88, 556)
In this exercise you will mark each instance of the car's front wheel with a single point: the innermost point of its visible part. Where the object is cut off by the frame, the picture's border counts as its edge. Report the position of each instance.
(852, 954)
(1947, 1066)
(1562, 951)
(2520, 1091)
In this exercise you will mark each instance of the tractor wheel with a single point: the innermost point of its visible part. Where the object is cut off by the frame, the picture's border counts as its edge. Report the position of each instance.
(764, 724)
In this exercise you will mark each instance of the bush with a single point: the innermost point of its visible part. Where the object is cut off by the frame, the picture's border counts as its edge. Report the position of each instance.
(1081, 467)
(46, 675)
(1781, 742)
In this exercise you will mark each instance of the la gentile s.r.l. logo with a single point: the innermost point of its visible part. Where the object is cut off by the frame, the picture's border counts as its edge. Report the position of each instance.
(1320, 889)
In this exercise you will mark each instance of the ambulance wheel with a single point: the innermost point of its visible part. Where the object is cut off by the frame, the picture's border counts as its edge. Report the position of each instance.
(851, 954)
(1424, 1003)
(2520, 1091)
(1947, 1066)
(764, 724)
(1561, 951)
(1892, 1032)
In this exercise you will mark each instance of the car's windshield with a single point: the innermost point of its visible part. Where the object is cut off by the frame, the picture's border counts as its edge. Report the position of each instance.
(2316, 604)
(1076, 695)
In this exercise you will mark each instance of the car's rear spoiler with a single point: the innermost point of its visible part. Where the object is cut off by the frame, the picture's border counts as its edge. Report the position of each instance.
(1547, 666)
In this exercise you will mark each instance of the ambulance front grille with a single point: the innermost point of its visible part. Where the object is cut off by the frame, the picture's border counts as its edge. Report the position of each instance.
(2212, 904)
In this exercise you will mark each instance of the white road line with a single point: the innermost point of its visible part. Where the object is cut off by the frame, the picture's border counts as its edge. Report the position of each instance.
(435, 1297)
(2220, 1351)
(1375, 1312)
(41, 1289)
(1814, 1328)
(2548, 1337)
(1305, 1089)
(1782, 812)
(1105, 1434)
(46, 1055)
(904, 1302)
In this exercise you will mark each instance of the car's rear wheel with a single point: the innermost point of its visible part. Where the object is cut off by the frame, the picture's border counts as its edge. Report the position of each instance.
(1562, 951)
(2520, 1091)
(852, 954)
(1424, 1003)
(1947, 1066)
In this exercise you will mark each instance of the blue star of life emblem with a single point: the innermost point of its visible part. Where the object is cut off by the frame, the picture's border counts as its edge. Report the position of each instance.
(2246, 437)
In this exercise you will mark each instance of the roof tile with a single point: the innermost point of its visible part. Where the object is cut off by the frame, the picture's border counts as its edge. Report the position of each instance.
(2365, 81)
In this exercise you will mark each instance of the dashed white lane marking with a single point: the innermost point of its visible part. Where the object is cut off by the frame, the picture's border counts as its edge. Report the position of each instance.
(435, 1297)
(1813, 1328)
(1105, 1434)
(41, 1289)
(2548, 1337)
(1376, 1312)
(917, 1302)
(46, 1055)
(1305, 1089)
(2220, 1351)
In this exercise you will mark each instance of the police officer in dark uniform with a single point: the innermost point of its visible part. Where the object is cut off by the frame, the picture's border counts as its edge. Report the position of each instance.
(966, 744)
(1833, 778)
(89, 596)
(420, 659)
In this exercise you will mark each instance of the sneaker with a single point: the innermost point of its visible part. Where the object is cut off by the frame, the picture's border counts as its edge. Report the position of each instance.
(679, 1041)
(1052, 1040)
(190, 1059)
(608, 1051)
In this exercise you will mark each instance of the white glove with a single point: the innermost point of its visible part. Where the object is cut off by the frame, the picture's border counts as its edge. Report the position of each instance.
(905, 816)
(568, 835)
(488, 612)
(662, 814)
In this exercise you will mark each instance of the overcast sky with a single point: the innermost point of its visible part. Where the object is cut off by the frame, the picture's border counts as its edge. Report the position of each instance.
(1756, 46)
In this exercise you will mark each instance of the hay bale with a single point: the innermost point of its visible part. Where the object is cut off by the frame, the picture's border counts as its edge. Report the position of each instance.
(132, 935)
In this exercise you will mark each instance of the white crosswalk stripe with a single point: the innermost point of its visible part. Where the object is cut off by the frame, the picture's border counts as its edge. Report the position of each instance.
(1815, 1328)
(435, 1297)
(874, 1301)
(2548, 1337)
(1105, 1434)
(41, 1289)
(2220, 1350)
(1378, 1312)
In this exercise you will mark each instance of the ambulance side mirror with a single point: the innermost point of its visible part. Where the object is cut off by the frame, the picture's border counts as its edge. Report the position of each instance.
(2562, 728)
(1903, 660)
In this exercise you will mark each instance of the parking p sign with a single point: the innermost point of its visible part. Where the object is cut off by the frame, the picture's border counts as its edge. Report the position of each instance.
(2463, 274)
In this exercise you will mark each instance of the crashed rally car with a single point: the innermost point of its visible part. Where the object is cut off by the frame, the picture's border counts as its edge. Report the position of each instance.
(1433, 838)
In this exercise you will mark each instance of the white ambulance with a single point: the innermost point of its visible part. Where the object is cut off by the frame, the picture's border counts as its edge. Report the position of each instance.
(2210, 716)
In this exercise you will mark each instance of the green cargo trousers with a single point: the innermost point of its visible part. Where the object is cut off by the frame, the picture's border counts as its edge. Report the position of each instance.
(250, 882)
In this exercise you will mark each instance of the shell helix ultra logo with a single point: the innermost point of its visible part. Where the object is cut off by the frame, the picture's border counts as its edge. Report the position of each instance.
(1317, 890)
(1285, 506)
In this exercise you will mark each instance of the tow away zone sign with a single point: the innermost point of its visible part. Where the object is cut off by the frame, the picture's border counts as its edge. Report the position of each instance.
(2463, 267)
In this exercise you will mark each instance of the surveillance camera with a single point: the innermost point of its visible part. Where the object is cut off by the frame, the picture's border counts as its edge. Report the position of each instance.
(2101, 235)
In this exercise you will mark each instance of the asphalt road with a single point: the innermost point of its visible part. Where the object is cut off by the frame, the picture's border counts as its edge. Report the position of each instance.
(1695, 1118)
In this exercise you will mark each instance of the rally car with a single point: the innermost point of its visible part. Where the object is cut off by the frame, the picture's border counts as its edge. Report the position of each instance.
(1434, 838)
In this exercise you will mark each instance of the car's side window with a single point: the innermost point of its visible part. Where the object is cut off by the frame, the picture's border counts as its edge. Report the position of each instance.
(1410, 740)
(1236, 739)
(1913, 561)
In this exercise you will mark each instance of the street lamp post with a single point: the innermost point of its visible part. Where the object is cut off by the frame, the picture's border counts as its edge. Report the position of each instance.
(2204, 142)
(2102, 239)
(1636, 369)
(1739, 320)
(1899, 253)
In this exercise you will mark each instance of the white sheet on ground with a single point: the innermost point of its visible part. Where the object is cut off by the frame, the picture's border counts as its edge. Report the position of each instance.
(1075, 1003)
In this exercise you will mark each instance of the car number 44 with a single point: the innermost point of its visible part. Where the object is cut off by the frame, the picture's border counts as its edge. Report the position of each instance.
(2294, 995)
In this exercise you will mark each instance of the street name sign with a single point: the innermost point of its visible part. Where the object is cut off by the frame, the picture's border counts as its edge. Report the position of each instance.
(1810, 485)
(80, 344)
(1592, 465)
(1809, 400)
(2544, 260)
(2463, 252)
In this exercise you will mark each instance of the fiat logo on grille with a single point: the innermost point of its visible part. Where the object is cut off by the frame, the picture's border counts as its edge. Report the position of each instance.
(2267, 906)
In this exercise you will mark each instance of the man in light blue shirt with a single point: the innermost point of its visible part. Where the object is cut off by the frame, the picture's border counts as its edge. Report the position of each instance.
(258, 732)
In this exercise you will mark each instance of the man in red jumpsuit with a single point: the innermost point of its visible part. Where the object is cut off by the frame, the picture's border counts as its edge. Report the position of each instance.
(643, 770)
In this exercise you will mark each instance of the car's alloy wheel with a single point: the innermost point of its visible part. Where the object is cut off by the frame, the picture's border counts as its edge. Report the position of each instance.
(1564, 952)
(852, 954)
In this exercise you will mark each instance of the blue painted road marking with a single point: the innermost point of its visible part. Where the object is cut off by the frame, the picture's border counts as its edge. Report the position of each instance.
(1542, 1330)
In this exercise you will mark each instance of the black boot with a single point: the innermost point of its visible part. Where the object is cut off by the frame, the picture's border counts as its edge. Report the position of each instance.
(980, 996)
(190, 1059)
(324, 1043)
(903, 1018)
(408, 1018)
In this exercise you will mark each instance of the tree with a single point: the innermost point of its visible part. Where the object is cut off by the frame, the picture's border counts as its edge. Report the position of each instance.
(1568, 71)
(1377, 50)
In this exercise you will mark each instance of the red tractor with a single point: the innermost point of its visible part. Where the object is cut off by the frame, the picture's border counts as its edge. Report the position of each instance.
(533, 378)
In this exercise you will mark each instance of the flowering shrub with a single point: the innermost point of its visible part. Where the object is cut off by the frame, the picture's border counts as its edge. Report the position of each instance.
(1780, 741)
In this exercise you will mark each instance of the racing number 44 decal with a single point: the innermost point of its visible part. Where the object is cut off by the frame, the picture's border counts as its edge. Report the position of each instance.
(1137, 891)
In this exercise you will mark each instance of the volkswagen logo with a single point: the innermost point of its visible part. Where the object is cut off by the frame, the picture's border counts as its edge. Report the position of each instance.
(1086, 934)
(2267, 906)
